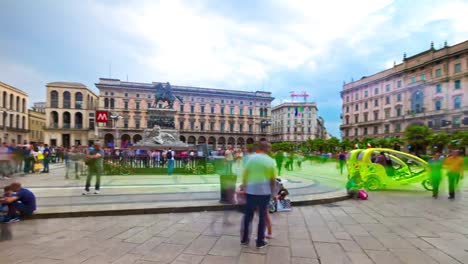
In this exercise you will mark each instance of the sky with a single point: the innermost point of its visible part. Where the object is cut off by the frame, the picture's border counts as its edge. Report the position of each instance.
(266, 45)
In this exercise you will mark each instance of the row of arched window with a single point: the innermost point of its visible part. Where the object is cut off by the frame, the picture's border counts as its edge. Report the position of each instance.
(14, 121)
(10, 102)
(66, 120)
(67, 100)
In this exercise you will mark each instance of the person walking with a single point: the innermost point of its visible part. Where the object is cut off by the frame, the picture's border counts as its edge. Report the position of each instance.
(259, 178)
(95, 165)
(342, 161)
(279, 158)
(435, 167)
(170, 161)
(46, 160)
(229, 160)
(454, 166)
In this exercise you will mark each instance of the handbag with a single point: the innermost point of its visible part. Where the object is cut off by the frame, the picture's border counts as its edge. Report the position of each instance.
(362, 194)
(283, 205)
(37, 166)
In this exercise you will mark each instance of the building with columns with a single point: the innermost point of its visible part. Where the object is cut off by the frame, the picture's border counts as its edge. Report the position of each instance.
(296, 122)
(70, 114)
(37, 122)
(204, 116)
(14, 114)
(425, 89)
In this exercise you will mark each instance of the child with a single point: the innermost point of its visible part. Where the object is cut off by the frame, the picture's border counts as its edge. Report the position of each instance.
(7, 192)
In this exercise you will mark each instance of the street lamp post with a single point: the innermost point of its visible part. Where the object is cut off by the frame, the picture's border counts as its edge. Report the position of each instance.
(115, 118)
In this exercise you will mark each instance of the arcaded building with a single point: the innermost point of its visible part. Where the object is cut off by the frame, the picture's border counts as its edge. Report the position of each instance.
(14, 115)
(210, 116)
(429, 88)
(296, 122)
(70, 115)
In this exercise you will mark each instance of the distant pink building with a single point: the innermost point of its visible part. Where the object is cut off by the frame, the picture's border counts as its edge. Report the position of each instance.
(429, 88)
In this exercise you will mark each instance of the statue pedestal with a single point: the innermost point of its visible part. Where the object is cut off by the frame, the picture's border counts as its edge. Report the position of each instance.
(161, 132)
(162, 117)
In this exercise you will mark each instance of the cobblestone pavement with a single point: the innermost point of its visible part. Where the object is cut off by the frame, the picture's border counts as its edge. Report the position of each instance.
(390, 227)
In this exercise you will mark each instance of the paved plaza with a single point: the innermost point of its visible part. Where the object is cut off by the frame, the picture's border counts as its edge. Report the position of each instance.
(390, 227)
(57, 195)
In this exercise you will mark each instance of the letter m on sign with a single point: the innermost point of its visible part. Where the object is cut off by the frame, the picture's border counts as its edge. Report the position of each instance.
(102, 116)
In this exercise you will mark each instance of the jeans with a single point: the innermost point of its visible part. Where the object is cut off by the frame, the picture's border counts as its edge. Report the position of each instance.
(97, 172)
(453, 179)
(254, 202)
(46, 165)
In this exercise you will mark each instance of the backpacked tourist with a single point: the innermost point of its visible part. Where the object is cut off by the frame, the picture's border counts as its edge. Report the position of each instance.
(259, 181)
(170, 161)
(454, 165)
(95, 166)
(21, 203)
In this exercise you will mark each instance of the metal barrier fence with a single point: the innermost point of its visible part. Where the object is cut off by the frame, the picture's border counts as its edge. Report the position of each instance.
(138, 162)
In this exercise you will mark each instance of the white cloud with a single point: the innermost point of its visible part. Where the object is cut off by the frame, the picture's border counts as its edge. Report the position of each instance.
(24, 78)
(191, 44)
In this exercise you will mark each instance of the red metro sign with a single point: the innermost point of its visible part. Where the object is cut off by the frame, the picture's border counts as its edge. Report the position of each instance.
(102, 116)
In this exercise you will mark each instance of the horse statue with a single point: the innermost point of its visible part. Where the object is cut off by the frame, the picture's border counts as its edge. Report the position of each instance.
(164, 94)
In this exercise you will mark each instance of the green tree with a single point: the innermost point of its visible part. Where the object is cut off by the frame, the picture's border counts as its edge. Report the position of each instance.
(418, 138)
(395, 143)
(439, 140)
(459, 139)
(333, 144)
(346, 144)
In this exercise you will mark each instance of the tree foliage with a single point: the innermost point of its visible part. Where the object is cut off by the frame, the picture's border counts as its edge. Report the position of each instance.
(418, 137)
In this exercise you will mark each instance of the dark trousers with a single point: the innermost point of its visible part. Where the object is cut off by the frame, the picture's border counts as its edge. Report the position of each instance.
(28, 164)
(453, 179)
(16, 207)
(435, 180)
(91, 172)
(342, 162)
(254, 202)
(279, 167)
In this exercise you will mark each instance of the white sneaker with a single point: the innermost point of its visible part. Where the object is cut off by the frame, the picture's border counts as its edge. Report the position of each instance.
(96, 192)
(85, 192)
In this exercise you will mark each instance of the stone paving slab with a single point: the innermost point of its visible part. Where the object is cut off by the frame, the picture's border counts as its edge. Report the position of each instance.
(435, 232)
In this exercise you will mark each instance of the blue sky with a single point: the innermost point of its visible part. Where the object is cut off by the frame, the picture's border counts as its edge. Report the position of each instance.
(277, 46)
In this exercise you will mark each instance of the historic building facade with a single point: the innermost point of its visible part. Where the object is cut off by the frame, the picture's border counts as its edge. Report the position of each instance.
(296, 122)
(70, 114)
(14, 114)
(429, 88)
(37, 122)
(204, 115)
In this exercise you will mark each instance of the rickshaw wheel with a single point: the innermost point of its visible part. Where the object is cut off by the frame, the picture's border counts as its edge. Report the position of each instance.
(372, 184)
(427, 184)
